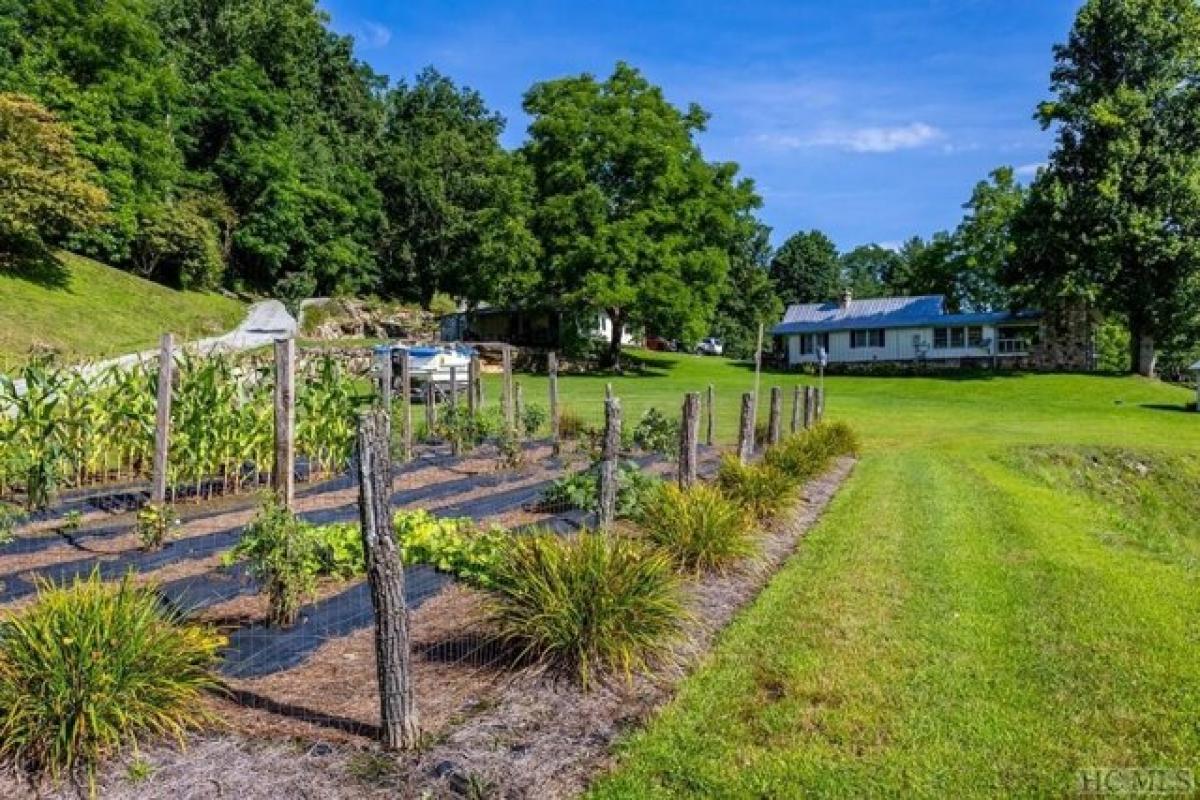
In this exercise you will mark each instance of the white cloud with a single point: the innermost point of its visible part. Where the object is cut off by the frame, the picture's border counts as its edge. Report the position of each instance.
(859, 140)
(1029, 170)
(372, 35)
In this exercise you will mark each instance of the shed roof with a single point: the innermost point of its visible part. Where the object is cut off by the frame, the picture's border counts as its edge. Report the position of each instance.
(886, 312)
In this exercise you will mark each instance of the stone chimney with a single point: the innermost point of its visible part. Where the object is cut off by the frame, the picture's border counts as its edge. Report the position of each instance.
(847, 296)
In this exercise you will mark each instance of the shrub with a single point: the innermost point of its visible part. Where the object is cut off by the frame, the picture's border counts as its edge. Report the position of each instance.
(533, 419)
(570, 424)
(455, 546)
(10, 518)
(282, 555)
(456, 426)
(656, 433)
(154, 524)
(762, 490)
(91, 667)
(338, 549)
(699, 528)
(804, 455)
(586, 605)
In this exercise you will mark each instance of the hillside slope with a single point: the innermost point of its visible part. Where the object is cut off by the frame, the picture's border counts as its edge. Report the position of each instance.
(88, 310)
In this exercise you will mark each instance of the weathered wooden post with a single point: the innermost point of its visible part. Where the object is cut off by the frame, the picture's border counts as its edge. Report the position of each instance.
(810, 406)
(746, 429)
(608, 462)
(162, 420)
(455, 437)
(797, 407)
(820, 413)
(510, 420)
(775, 419)
(519, 409)
(406, 425)
(385, 574)
(689, 438)
(453, 387)
(430, 408)
(709, 411)
(472, 386)
(285, 421)
(385, 380)
(552, 377)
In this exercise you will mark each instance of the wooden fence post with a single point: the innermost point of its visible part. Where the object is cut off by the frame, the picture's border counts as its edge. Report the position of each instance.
(746, 429)
(406, 425)
(453, 387)
(162, 420)
(506, 399)
(552, 377)
(810, 406)
(285, 421)
(775, 420)
(820, 415)
(689, 438)
(797, 408)
(710, 412)
(472, 386)
(608, 462)
(385, 380)
(385, 574)
(430, 408)
(519, 410)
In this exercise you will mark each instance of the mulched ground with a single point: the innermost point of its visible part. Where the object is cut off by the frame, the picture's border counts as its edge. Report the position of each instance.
(307, 732)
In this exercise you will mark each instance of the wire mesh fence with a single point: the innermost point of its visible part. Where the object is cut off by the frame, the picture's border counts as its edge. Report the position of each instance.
(484, 457)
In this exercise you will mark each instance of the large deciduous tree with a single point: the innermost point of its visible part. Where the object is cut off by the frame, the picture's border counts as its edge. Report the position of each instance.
(456, 203)
(1115, 217)
(870, 270)
(748, 298)
(47, 190)
(806, 268)
(632, 220)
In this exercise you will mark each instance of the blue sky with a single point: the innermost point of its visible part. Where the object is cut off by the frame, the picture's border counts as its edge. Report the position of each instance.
(869, 120)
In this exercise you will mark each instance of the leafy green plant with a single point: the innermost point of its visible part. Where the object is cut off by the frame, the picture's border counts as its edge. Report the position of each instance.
(533, 418)
(154, 524)
(761, 489)
(700, 528)
(283, 556)
(582, 490)
(586, 605)
(10, 518)
(71, 521)
(92, 667)
(657, 433)
(509, 452)
(455, 546)
(339, 549)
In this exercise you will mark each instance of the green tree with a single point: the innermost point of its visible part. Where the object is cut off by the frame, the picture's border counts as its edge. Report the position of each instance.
(929, 267)
(984, 244)
(806, 269)
(748, 298)
(456, 203)
(632, 220)
(870, 270)
(1115, 217)
(47, 190)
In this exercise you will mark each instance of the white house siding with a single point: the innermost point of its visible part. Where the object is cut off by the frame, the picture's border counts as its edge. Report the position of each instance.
(899, 344)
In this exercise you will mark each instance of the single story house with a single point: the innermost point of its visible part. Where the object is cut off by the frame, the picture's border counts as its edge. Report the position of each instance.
(905, 330)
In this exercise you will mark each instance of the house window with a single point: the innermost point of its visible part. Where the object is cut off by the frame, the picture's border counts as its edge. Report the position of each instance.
(809, 342)
(971, 336)
(872, 337)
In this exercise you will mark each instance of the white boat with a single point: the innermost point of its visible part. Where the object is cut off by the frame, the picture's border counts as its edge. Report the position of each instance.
(430, 363)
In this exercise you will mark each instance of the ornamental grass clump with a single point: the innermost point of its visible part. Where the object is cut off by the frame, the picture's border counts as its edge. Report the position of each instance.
(699, 528)
(761, 489)
(92, 667)
(805, 455)
(586, 606)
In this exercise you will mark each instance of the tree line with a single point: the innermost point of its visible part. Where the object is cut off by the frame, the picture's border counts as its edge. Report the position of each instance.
(240, 143)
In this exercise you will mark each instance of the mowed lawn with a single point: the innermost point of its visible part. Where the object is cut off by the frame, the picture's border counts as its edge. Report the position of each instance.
(967, 619)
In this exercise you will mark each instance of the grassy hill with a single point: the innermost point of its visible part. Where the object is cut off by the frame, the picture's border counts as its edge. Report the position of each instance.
(1005, 592)
(85, 309)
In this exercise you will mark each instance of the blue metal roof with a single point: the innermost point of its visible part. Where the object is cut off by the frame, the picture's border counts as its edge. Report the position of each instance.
(885, 312)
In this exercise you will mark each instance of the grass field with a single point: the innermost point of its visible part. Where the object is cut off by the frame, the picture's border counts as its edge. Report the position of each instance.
(84, 309)
(1005, 592)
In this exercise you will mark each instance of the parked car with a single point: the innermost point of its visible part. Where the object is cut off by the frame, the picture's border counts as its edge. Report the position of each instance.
(659, 343)
(710, 347)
